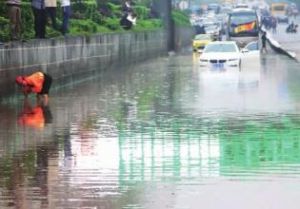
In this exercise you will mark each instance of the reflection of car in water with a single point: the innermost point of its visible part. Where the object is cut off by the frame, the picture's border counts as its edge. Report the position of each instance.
(243, 26)
(221, 54)
(200, 41)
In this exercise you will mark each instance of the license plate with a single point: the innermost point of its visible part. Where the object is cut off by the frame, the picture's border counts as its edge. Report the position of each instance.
(218, 65)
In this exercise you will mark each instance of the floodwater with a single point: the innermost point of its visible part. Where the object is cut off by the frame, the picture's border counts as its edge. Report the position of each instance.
(164, 134)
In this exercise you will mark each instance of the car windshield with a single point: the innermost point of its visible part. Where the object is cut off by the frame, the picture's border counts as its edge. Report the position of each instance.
(220, 48)
(211, 27)
(203, 37)
(253, 46)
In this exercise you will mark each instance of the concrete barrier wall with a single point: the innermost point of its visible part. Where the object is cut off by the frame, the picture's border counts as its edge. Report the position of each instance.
(76, 57)
(276, 46)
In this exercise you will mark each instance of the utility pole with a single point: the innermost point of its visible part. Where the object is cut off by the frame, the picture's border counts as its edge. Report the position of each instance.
(164, 9)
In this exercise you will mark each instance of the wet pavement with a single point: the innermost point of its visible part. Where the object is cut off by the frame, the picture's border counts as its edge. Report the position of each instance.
(164, 134)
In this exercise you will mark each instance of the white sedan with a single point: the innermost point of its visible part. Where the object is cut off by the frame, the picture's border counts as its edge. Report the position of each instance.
(221, 54)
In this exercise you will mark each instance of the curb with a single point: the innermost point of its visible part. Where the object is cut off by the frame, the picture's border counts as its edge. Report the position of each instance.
(275, 45)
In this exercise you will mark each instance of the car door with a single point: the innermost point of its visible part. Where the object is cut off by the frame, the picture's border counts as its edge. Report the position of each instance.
(250, 54)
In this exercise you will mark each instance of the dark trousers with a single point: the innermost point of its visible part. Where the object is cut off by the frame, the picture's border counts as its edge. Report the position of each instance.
(66, 16)
(126, 24)
(40, 20)
(51, 12)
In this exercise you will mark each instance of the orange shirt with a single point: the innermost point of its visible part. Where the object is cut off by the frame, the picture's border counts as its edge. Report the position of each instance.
(36, 81)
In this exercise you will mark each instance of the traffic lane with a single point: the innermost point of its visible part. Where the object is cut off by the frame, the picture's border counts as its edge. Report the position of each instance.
(256, 87)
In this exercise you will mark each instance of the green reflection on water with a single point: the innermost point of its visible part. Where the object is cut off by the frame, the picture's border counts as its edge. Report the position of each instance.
(178, 148)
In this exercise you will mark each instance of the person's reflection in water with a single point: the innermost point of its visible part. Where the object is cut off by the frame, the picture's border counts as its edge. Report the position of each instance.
(35, 117)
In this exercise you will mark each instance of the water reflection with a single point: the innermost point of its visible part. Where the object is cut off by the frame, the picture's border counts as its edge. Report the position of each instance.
(162, 133)
(35, 116)
(27, 179)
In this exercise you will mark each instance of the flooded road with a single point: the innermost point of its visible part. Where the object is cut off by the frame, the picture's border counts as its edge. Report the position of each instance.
(164, 134)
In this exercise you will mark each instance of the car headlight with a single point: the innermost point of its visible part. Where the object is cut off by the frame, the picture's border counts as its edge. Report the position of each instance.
(203, 60)
(231, 60)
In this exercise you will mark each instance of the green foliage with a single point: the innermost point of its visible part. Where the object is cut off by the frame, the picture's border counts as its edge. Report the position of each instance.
(27, 21)
(148, 25)
(142, 12)
(115, 9)
(180, 18)
(112, 23)
(4, 29)
(86, 27)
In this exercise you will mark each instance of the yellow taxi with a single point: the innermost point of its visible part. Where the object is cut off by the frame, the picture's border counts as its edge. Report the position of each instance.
(200, 41)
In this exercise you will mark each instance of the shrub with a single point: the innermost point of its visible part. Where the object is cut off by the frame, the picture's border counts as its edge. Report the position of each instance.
(4, 29)
(142, 12)
(180, 18)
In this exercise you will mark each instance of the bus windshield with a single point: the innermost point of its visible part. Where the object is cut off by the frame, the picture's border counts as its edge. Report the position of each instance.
(243, 24)
(241, 18)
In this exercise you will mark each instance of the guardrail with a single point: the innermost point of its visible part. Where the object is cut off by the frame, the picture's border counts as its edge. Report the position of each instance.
(276, 46)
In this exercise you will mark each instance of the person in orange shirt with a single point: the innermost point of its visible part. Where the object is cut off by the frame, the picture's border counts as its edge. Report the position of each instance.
(38, 83)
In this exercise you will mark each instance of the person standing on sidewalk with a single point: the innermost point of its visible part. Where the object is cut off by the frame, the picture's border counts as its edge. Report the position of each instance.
(66, 10)
(51, 11)
(14, 15)
(40, 18)
(263, 41)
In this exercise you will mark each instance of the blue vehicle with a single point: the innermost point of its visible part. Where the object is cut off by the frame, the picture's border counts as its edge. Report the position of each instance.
(243, 26)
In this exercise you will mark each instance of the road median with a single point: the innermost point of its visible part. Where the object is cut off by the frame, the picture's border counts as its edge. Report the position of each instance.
(278, 47)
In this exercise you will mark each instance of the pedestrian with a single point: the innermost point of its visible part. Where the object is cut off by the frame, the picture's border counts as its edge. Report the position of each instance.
(128, 20)
(263, 41)
(66, 10)
(274, 25)
(127, 7)
(51, 11)
(14, 15)
(38, 83)
(40, 18)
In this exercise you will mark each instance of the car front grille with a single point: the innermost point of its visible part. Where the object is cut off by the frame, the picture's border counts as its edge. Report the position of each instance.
(217, 61)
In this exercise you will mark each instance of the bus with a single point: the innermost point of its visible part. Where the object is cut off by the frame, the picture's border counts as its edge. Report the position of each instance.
(279, 11)
(278, 8)
(243, 26)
